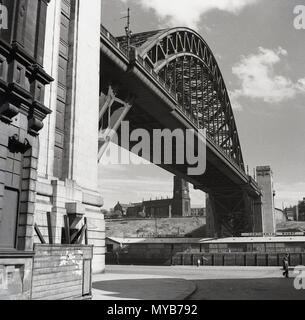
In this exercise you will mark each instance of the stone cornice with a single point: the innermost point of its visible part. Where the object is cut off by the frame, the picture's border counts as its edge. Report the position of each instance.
(23, 78)
(40, 74)
(18, 94)
(5, 48)
(21, 55)
(4, 254)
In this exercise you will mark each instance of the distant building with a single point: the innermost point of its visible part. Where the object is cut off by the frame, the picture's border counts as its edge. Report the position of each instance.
(111, 214)
(296, 213)
(160, 208)
(121, 209)
(178, 206)
(291, 213)
(198, 212)
(301, 213)
(135, 210)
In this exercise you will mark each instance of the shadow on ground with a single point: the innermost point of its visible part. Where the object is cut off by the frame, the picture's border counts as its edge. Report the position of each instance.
(145, 289)
(247, 289)
(179, 289)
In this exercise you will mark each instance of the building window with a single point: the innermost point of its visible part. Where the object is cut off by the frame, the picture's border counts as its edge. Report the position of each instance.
(18, 75)
(109, 248)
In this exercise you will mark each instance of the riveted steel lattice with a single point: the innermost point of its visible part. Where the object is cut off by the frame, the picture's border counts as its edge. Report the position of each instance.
(187, 65)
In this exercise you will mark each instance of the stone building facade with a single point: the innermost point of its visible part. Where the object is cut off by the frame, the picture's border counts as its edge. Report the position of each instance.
(22, 112)
(68, 155)
(178, 206)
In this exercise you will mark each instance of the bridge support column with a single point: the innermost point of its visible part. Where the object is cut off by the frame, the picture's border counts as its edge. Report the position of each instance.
(229, 213)
(265, 182)
(212, 219)
(257, 215)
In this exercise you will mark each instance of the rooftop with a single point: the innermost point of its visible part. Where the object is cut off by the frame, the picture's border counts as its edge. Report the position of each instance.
(206, 240)
(156, 240)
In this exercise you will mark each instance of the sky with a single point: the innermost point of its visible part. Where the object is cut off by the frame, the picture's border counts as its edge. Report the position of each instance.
(261, 56)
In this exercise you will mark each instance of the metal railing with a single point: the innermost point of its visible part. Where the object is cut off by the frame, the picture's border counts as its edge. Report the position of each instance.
(114, 41)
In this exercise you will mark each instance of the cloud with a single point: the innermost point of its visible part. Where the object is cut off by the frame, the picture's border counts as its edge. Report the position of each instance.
(188, 13)
(259, 79)
(236, 105)
(301, 85)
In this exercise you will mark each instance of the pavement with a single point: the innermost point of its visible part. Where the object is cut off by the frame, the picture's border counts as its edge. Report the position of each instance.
(121, 286)
(192, 283)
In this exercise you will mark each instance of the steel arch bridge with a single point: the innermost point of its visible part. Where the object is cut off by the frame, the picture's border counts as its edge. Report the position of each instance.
(188, 67)
(169, 79)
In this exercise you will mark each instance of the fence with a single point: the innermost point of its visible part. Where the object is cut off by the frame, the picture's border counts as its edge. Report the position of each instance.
(237, 259)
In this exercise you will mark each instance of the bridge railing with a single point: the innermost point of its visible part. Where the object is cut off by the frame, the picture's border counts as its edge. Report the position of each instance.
(167, 88)
(114, 41)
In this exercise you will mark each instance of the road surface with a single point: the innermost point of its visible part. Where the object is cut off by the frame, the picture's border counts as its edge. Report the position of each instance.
(212, 283)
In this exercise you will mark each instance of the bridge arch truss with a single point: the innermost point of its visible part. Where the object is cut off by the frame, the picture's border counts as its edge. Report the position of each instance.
(188, 67)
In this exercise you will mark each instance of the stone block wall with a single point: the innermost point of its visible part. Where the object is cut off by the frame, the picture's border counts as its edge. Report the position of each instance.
(74, 177)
